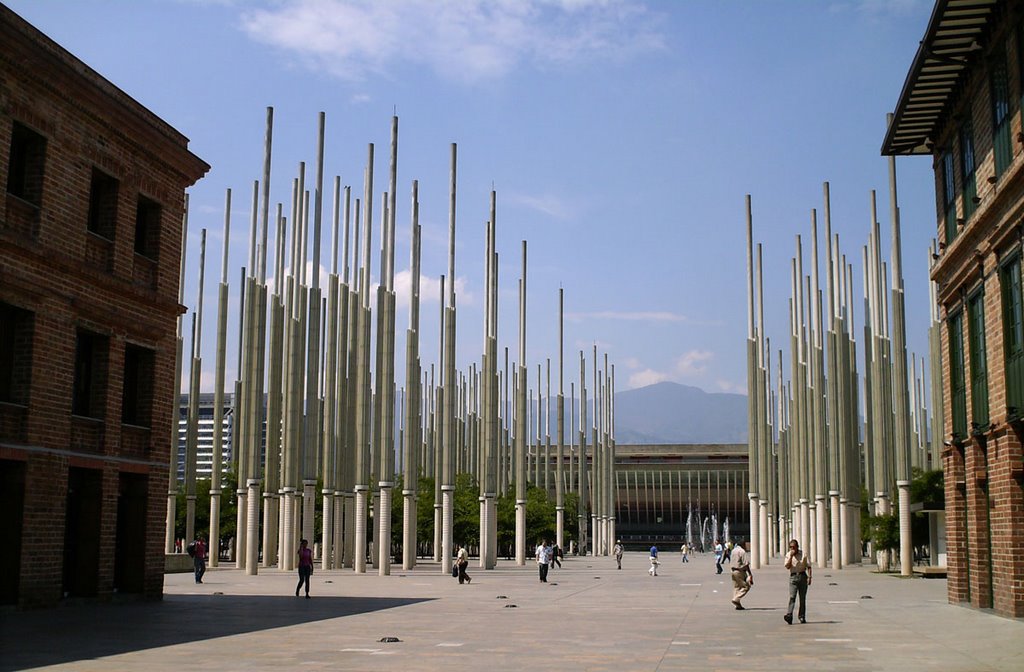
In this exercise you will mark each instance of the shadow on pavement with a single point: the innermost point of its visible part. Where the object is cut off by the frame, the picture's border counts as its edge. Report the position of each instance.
(83, 632)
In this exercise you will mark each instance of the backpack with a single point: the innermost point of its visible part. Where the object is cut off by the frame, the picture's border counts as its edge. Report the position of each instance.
(191, 549)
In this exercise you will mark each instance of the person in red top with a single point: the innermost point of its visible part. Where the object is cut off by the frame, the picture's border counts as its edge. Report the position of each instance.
(199, 559)
(305, 566)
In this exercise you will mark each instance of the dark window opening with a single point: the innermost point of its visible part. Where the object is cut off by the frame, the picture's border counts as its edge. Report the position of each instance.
(1013, 336)
(16, 328)
(130, 558)
(147, 228)
(137, 393)
(979, 367)
(12, 503)
(949, 195)
(1002, 146)
(25, 165)
(90, 375)
(957, 384)
(82, 532)
(967, 167)
(103, 205)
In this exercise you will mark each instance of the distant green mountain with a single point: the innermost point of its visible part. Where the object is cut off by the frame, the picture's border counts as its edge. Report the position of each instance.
(674, 413)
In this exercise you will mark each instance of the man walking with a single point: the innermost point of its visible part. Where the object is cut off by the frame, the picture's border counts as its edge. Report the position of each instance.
(653, 571)
(199, 558)
(742, 577)
(718, 556)
(618, 553)
(543, 555)
(799, 579)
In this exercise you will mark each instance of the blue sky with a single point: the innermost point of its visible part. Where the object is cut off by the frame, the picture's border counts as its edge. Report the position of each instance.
(621, 138)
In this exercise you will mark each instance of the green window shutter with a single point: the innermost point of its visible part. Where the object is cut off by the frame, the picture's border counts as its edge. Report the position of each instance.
(979, 367)
(957, 384)
(967, 167)
(1013, 335)
(949, 195)
(1001, 144)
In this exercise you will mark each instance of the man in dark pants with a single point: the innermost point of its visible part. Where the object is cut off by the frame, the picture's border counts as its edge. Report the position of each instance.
(799, 579)
(199, 559)
(556, 556)
(543, 558)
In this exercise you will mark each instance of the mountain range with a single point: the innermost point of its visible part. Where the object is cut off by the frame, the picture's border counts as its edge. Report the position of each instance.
(673, 413)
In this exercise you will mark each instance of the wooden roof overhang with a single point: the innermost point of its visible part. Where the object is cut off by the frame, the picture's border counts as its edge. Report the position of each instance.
(952, 42)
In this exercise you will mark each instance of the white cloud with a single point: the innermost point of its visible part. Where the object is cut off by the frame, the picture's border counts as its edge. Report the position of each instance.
(547, 204)
(879, 8)
(463, 40)
(730, 386)
(430, 289)
(693, 362)
(360, 98)
(588, 347)
(647, 377)
(630, 316)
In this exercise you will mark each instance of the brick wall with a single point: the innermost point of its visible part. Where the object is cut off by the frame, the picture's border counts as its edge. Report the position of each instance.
(984, 501)
(51, 269)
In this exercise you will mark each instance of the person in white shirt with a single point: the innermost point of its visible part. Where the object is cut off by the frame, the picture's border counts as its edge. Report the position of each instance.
(799, 580)
(742, 577)
(543, 555)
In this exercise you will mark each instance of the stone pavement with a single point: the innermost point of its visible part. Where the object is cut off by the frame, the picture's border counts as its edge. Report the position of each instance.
(589, 616)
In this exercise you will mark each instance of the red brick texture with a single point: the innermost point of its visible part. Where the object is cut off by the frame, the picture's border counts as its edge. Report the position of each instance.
(984, 501)
(69, 279)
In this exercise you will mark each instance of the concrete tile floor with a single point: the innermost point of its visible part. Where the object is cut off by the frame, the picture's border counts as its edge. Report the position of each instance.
(589, 616)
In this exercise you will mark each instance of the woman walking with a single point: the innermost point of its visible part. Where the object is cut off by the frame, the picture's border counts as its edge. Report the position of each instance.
(305, 567)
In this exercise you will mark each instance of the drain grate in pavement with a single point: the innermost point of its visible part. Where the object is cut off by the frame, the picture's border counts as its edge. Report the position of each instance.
(389, 640)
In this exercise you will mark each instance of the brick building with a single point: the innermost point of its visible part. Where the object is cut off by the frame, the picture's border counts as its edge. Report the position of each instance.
(90, 243)
(961, 105)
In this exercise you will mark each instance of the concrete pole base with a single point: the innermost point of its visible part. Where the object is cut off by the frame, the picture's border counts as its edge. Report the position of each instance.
(213, 541)
(190, 518)
(520, 532)
(242, 507)
(755, 532)
(359, 552)
(448, 519)
(327, 517)
(384, 531)
(172, 505)
(485, 524)
(805, 526)
(763, 530)
(906, 543)
(836, 529)
(408, 529)
(821, 530)
(338, 502)
(252, 528)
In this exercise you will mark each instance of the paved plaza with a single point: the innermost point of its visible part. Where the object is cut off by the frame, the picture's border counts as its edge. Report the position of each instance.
(589, 616)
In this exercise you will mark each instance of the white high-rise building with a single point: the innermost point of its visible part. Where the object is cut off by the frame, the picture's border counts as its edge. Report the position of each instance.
(204, 452)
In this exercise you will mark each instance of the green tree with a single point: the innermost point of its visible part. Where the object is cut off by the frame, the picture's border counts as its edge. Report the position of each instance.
(926, 488)
(885, 531)
(228, 508)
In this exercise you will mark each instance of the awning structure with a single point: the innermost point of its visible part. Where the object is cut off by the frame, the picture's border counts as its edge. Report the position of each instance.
(953, 40)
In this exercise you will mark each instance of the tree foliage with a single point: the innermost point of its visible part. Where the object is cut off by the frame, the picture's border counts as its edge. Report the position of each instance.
(228, 508)
(884, 530)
